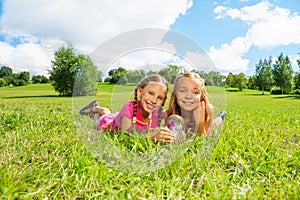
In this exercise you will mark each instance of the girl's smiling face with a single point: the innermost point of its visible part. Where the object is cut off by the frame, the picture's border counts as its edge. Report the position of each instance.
(188, 93)
(153, 94)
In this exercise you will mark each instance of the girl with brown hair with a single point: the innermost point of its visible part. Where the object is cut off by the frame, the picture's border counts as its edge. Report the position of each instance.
(135, 115)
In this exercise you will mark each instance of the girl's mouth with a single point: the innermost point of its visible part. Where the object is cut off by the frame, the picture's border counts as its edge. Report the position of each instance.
(188, 102)
(149, 106)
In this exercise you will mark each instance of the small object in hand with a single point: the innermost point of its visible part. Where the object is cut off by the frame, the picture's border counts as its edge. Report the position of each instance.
(175, 124)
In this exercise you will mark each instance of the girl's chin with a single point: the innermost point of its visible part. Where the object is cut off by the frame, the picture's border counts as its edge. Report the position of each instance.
(188, 108)
(147, 110)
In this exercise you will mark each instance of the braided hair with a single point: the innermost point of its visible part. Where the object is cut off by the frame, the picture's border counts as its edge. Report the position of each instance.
(143, 83)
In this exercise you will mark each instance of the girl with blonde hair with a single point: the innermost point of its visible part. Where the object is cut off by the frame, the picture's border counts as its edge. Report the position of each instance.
(190, 100)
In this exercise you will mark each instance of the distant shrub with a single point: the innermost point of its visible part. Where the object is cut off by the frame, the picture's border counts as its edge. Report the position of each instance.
(297, 91)
(2, 82)
(39, 79)
(277, 90)
(107, 79)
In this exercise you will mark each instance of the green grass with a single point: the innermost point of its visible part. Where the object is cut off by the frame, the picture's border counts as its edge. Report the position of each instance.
(42, 154)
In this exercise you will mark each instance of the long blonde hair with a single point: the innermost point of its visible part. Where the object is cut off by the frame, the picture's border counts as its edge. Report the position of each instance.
(200, 126)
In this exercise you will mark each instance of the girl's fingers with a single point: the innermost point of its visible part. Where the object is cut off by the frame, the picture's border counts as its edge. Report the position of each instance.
(164, 135)
(203, 104)
(167, 131)
(167, 137)
(169, 134)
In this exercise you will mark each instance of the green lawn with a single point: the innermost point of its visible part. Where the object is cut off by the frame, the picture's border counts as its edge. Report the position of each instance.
(42, 154)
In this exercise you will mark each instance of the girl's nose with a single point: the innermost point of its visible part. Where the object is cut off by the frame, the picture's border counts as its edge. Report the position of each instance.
(153, 99)
(189, 95)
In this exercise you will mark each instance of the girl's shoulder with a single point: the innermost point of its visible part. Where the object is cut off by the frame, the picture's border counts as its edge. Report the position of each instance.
(131, 104)
(128, 108)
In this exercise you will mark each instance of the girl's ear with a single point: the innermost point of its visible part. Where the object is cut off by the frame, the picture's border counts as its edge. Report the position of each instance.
(139, 92)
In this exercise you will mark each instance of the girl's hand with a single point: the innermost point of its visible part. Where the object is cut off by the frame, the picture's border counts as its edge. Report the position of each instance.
(202, 112)
(162, 135)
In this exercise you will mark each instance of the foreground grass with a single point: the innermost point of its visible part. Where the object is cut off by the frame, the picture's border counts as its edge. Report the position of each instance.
(42, 155)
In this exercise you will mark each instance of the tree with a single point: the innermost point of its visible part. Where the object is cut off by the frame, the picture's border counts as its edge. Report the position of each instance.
(2, 82)
(166, 74)
(283, 73)
(86, 77)
(297, 77)
(21, 79)
(7, 74)
(212, 78)
(263, 75)
(297, 80)
(39, 79)
(99, 76)
(150, 72)
(239, 81)
(68, 68)
(229, 80)
(122, 80)
(107, 79)
(116, 74)
(170, 73)
(135, 76)
(251, 83)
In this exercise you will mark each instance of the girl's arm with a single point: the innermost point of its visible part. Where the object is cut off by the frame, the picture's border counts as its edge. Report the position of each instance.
(162, 134)
(126, 123)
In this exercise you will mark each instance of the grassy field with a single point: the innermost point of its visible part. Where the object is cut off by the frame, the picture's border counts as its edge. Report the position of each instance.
(42, 156)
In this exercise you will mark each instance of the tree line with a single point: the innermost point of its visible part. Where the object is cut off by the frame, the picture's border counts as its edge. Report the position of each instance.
(277, 77)
(7, 78)
(76, 74)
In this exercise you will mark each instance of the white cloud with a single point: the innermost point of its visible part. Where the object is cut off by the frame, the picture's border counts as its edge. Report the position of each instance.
(86, 24)
(252, 14)
(269, 26)
(31, 57)
(142, 59)
(229, 57)
(199, 61)
(280, 28)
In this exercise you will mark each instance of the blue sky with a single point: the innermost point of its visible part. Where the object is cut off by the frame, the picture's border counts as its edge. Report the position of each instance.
(234, 34)
(200, 23)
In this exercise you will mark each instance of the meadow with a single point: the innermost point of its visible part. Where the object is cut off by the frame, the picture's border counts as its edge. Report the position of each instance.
(42, 156)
